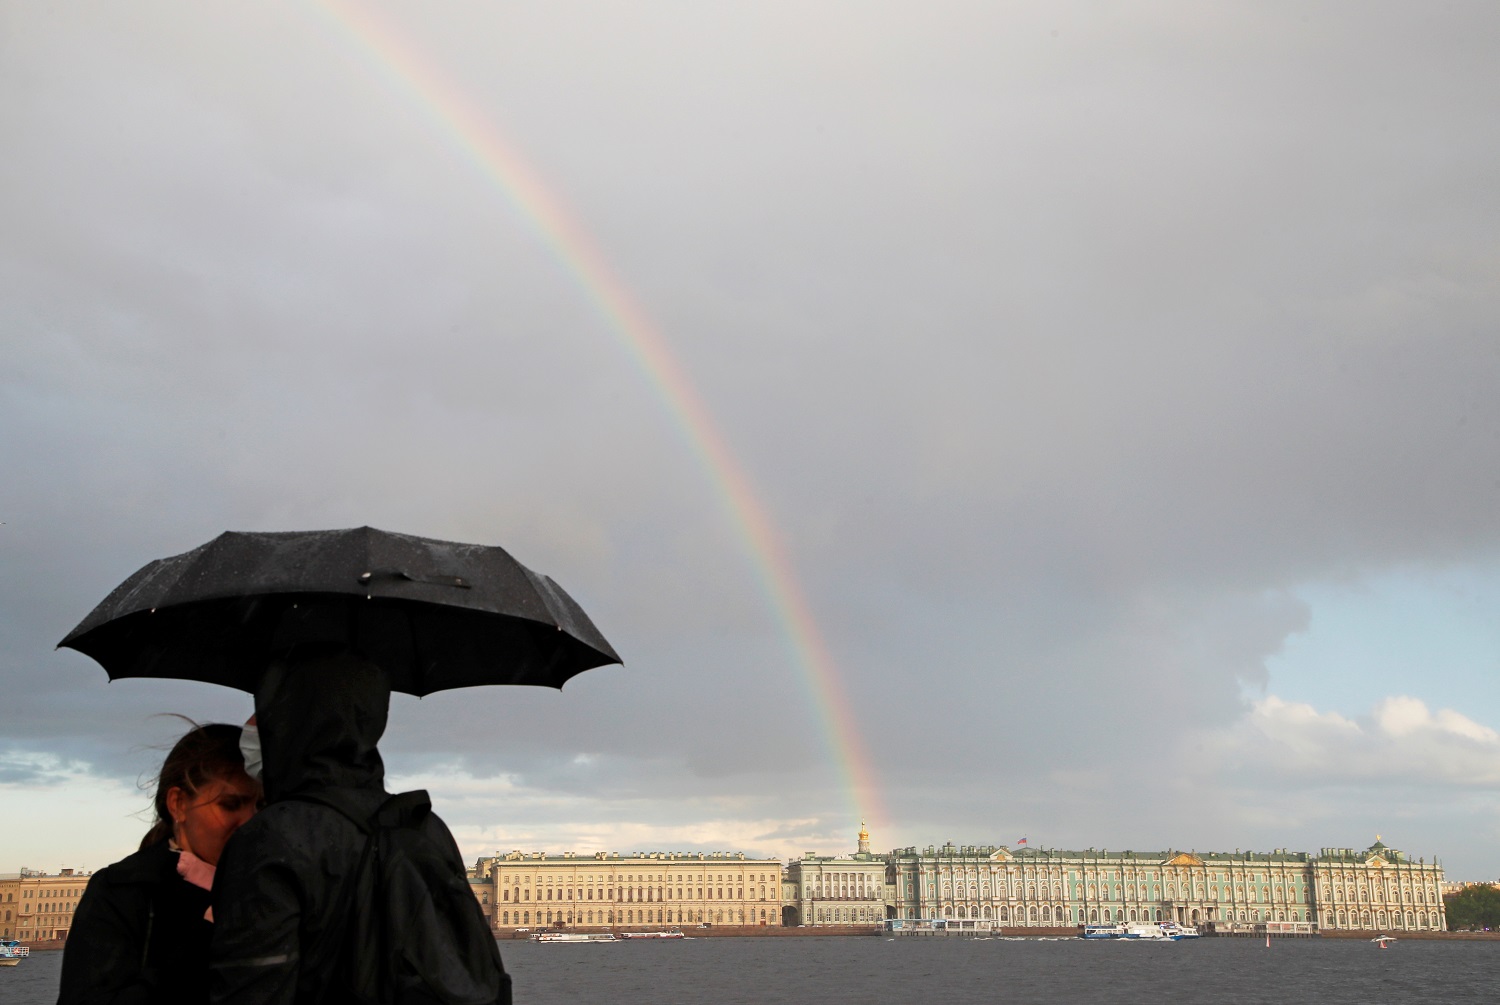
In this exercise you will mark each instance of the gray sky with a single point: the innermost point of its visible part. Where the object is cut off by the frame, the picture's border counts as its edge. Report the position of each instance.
(1120, 379)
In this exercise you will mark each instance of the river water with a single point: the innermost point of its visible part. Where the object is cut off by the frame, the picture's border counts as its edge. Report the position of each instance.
(954, 971)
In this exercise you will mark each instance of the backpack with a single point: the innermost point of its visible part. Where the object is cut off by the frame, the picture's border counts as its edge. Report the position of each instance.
(415, 932)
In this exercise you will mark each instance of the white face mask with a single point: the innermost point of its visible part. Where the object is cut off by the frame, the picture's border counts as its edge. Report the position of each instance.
(250, 750)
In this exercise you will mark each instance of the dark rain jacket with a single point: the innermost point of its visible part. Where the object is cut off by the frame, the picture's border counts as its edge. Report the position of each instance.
(282, 887)
(138, 936)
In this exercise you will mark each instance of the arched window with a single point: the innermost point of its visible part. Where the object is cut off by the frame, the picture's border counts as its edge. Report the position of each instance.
(1094, 914)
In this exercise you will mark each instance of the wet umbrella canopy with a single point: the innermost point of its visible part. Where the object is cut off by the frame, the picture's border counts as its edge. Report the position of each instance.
(434, 614)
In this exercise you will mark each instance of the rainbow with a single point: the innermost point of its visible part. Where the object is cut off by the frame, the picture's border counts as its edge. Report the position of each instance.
(462, 122)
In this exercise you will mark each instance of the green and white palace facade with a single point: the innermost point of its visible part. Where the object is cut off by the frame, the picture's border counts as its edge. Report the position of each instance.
(1374, 889)
(1377, 888)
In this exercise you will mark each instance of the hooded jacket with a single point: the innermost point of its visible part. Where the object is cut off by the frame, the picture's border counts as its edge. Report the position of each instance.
(139, 936)
(283, 883)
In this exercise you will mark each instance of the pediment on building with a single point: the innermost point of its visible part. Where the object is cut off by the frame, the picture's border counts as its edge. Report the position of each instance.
(1001, 855)
(1376, 862)
(1184, 858)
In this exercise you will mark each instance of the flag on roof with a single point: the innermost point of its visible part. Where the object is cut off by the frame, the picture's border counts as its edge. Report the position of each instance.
(1022, 841)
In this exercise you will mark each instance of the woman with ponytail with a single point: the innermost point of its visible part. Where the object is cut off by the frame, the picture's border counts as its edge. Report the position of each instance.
(142, 930)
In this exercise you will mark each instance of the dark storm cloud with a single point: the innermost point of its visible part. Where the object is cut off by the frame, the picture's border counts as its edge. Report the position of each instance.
(1061, 343)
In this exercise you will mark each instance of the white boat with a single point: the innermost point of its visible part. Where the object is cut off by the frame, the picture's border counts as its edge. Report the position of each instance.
(1103, 932)
(573, 937)
(672, 934)
(12, 953)
(1148, 931)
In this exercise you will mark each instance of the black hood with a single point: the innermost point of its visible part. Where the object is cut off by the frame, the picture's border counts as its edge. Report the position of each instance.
(320, 717)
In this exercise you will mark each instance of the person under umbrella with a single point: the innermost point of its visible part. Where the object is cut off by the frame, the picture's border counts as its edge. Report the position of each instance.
(283, 891)
(142, 930)
(321, 626)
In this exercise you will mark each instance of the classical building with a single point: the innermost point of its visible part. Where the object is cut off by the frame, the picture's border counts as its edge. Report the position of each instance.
(1380, 888)
(38, 907)
(606, 889)
(10, 887)
(848, 890)
(1340, 889)
(1024, 887)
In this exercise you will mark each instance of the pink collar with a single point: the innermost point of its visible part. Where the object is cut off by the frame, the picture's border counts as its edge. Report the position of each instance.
(196, 871)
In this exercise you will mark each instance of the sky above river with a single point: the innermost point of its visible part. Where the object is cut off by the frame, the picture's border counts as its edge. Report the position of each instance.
(1118, 385)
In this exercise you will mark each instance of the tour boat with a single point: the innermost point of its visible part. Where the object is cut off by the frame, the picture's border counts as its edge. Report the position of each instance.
(1176, 932)
(1103, 932)
(573, 937)
(1150, 931)
(12, 953)
(673, 934)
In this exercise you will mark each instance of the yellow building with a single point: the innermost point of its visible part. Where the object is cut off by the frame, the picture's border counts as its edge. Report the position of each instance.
(1378, 888)
(37, 907)
(10, 887)
(605, 889)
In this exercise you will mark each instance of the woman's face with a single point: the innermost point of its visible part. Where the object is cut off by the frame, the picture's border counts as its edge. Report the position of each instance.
(203, 820)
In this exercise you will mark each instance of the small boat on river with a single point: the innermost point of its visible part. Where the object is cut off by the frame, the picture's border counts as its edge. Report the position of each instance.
(12, 953)
(573, 937)
(672, 934)
(1147, 931)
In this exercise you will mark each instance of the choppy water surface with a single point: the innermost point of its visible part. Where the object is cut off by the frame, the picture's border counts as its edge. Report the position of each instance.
(951, 971)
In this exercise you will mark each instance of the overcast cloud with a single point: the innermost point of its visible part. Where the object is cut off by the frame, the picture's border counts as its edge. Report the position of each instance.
(1072, 348)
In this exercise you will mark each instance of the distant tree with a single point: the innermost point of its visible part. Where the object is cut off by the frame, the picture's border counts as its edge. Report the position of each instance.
(1476, 907)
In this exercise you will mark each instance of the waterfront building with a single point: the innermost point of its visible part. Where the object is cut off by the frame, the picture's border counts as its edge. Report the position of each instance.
(1021, 887)
(1291, 891)
(10, 885)
(1378, 888)
(1452, 888)
(483, 888)
(839, 890)
(38, 907)
(607, 889)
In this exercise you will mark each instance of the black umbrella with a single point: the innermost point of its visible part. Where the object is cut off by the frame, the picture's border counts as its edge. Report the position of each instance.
(434, 614)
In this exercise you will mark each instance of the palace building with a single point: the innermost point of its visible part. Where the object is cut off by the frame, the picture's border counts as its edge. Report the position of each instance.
(849, 890)
(605, 889)
(1380, 888)
(1290, 891)
(38, 907)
